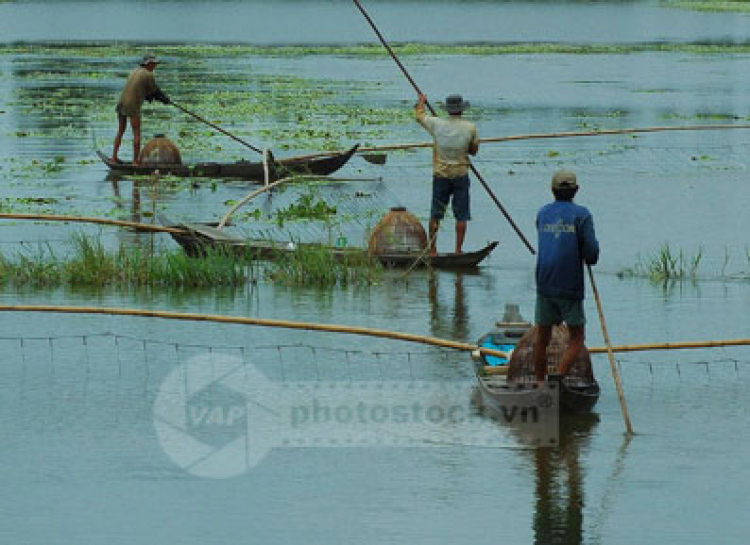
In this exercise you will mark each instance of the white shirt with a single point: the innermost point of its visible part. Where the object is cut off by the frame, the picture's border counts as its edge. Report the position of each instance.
(453, 137)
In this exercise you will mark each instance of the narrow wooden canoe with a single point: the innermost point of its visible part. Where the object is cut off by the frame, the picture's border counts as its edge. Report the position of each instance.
(244, 170)
(198, 237)
(577, 394)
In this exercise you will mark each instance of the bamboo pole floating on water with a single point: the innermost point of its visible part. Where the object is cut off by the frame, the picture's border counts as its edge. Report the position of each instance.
(243, 320)
(610, 354)
(693, 345)
(334, 328)
(101, 221)
(432, 110)
(539, 136)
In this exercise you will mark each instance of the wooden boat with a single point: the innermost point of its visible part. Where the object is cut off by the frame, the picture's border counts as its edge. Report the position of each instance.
(199, 237)
(579, 391)
(245, 170)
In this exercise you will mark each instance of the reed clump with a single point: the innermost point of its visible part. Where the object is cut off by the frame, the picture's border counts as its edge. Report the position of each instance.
(665, 265)
(316, 265)
(89, 263)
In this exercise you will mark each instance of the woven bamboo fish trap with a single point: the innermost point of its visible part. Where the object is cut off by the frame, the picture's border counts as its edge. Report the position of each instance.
(399, 231)
(160, 150)
(521, 366)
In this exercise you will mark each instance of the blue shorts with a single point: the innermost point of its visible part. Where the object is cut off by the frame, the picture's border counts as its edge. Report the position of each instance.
(442, 189)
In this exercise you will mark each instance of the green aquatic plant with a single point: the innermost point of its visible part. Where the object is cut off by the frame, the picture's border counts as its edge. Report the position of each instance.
(710, 5)
(90, 263)
(317, 265)
(666, 264)
(307, 207)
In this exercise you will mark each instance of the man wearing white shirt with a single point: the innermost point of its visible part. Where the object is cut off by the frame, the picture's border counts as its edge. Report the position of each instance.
(455, 139)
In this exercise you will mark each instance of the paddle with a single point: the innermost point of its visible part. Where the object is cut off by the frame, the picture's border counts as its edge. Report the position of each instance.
(214, 126)
(432, 111)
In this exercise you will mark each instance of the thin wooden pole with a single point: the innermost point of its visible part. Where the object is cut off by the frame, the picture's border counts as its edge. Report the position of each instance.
(213, 125)
(243, 320)
(610, 353)
(432, 111)
(101, 221)
(538, 136)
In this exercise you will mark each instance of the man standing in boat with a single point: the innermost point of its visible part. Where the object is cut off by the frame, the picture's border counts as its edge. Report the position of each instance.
(455, 139)
(566, 239)
(140, 86)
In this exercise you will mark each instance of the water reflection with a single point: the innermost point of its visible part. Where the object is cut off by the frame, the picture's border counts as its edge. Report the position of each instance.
(448, 320)
(559, 491)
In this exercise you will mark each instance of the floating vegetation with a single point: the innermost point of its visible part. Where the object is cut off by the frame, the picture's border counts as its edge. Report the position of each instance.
(665, 265)
(312, 265)
(218, 51)
(711, 5)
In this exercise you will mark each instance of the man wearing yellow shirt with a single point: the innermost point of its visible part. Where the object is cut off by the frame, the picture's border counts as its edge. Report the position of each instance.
(455, 139)
(140, 86)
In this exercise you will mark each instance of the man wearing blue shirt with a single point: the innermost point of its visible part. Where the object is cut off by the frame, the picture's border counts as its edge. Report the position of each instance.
(566, 240)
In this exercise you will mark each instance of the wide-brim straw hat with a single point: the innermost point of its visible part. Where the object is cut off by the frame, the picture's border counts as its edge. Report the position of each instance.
(455, 104)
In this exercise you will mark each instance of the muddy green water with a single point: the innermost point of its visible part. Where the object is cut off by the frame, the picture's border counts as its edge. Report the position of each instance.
(80, 396)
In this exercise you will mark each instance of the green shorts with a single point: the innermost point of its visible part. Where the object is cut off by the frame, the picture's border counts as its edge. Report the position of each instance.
(555, 310)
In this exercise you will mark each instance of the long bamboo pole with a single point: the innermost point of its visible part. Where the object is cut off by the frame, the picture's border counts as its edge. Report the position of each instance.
(538, 136)
(432, 110)
(214, 126)
(333, 328)
(101, 221)
(310, 326)
(693, 345)
(689, 345)
(610, 354)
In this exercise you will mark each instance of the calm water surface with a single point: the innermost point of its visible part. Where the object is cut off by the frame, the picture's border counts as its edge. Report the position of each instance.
(82, 461)
(338, 21)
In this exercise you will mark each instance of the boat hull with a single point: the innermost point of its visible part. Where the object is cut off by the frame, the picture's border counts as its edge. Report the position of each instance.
(199, 239)
(244, 170)
(577, 395)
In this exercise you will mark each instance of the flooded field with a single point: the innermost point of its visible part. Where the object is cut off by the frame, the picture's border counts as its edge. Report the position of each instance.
(86, 459)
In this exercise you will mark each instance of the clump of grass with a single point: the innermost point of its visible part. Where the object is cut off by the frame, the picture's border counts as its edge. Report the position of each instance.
(665, 265)
(314, 265)
(89, 263)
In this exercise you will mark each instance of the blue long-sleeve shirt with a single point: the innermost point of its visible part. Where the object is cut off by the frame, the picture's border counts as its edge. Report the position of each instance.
(566, 240)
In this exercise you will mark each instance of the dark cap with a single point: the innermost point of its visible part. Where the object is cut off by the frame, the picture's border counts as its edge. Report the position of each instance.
(455, 104)
(564, 179)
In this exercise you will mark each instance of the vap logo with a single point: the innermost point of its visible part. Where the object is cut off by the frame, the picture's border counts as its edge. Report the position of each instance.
(203, 416)
(217, 416)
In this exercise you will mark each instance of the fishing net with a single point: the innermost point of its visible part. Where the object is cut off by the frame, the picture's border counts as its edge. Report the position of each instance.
(325, 213)
(521, 365)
